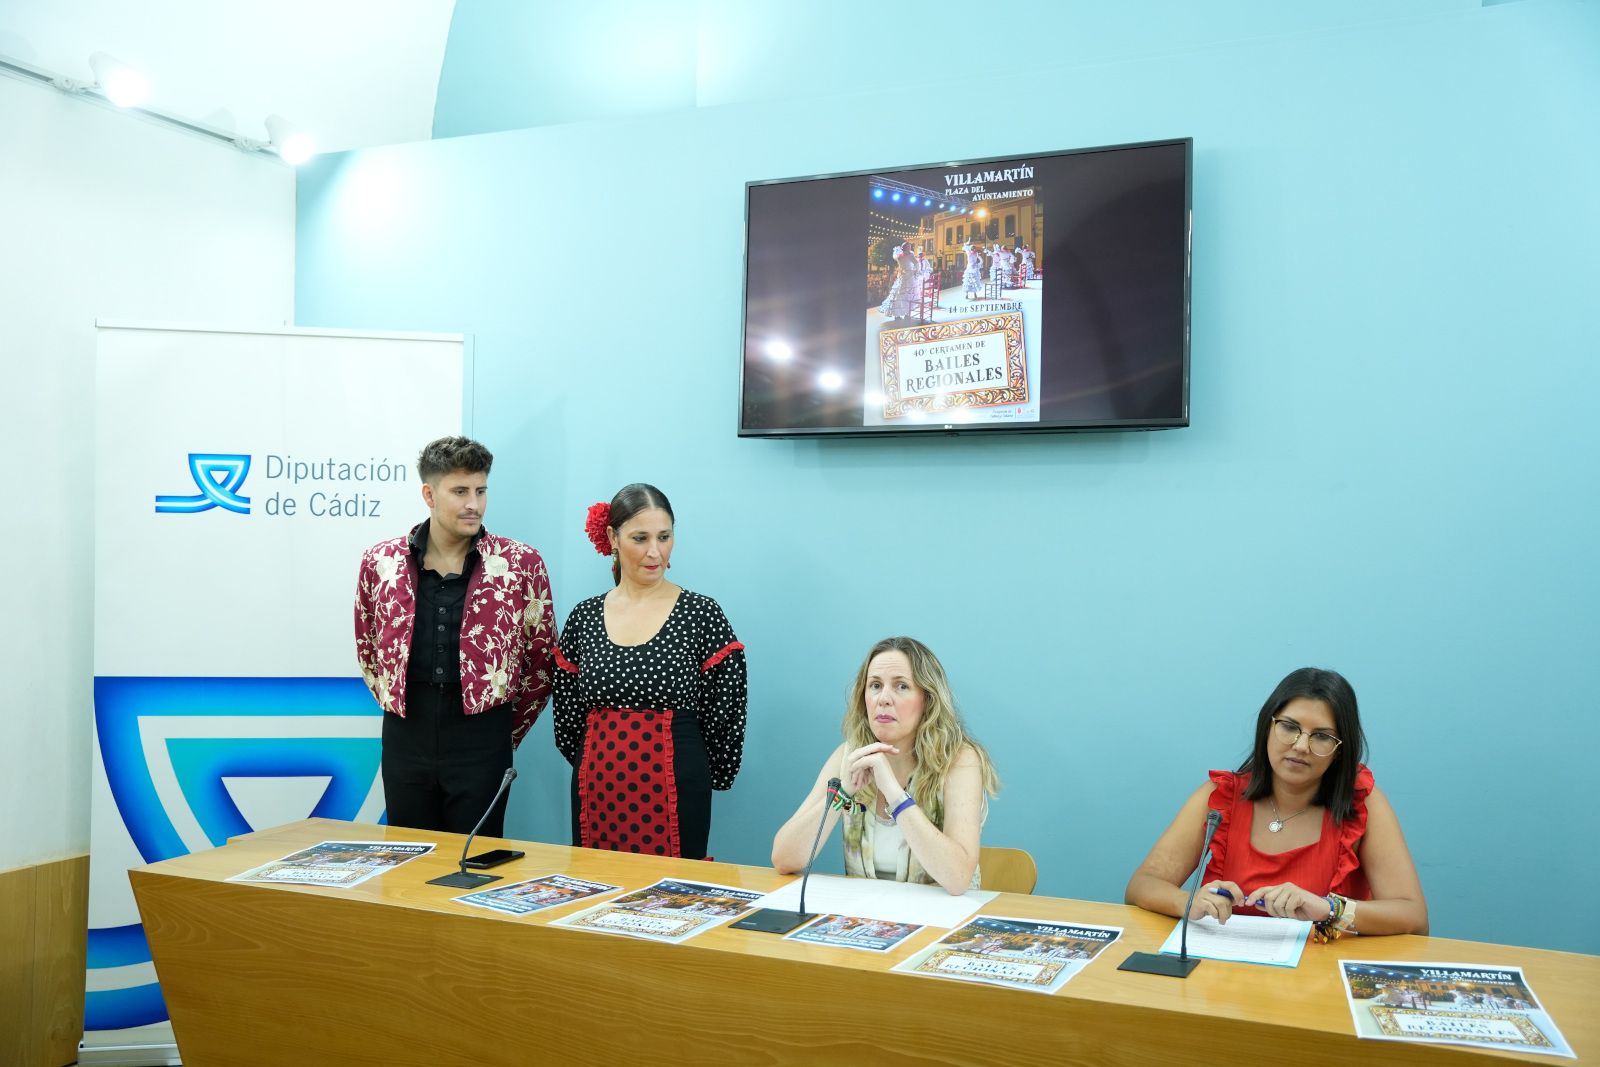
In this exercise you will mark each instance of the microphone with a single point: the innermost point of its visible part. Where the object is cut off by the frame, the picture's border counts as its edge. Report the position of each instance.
(1180, 965)
(1213, 820)
(834, 786)
(778, 920)
(463, 878)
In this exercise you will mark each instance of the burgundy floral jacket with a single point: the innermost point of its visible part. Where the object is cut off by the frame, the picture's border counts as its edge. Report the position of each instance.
(507, 628)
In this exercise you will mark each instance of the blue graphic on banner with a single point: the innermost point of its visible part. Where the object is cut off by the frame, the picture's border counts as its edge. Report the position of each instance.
(118, 946)
(199, 764)
(120, 704)
(200, 767)
(219, 476)
(118, 1009)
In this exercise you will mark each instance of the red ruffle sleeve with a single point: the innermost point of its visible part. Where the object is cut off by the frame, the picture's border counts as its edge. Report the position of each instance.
(1348, 879)
(1224, 792)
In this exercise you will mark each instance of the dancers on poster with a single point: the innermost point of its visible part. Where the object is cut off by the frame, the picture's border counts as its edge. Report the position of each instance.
(925, 279)
(907, 282)
(972, 277)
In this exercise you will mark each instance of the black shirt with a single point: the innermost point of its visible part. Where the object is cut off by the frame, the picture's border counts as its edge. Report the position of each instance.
(441, 602)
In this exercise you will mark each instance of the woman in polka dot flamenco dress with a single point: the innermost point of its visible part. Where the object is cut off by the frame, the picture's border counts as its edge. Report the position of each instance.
(649, 693)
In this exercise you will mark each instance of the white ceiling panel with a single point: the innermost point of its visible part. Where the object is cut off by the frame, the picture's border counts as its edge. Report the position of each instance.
(351, 73)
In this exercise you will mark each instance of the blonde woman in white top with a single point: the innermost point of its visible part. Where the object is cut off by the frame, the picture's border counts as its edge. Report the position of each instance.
(917, 782)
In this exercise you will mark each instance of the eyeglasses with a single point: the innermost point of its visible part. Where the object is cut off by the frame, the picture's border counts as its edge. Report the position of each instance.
(1321, 742)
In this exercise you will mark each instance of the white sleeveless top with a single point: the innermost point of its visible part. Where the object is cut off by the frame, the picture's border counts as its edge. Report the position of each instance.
(891, 856)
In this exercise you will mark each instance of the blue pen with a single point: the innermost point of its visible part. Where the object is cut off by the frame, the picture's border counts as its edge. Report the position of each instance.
(1219, 891)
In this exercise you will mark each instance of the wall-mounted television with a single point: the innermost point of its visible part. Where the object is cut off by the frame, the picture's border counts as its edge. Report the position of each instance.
(1043, 292)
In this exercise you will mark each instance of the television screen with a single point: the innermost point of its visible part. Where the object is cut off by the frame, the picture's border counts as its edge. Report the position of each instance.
(1039, 292)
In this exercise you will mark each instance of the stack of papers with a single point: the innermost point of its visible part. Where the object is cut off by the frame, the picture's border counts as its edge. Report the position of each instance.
(874, 898)
(1244, 939)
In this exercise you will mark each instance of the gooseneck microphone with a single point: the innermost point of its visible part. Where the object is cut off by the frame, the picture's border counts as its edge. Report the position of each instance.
(1213, 820)
(463, 878)
(1180, 965)
(834, 786)
(777, 920)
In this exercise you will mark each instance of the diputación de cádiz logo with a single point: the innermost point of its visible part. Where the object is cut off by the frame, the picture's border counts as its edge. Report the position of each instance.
(219, 477)
(193, 762)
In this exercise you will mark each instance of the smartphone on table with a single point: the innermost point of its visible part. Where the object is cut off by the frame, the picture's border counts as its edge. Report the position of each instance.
(492, 858)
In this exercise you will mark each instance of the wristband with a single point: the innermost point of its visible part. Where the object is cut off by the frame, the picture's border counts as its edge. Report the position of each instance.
(1341, 919)
(908, 802)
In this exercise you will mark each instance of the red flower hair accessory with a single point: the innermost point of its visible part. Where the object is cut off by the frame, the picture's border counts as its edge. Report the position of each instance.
(596, 525)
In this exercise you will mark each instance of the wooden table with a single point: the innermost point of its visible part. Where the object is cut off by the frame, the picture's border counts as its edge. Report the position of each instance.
(393, 972)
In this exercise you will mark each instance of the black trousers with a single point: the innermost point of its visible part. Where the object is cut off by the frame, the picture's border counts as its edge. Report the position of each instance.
(441, 767)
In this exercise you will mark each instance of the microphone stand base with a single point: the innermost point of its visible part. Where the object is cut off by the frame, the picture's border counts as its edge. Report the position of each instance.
(773, 920)
(1156, 963)
(464, 880)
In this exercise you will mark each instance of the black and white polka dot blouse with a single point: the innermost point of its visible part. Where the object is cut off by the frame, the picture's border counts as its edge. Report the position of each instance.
(694, 664)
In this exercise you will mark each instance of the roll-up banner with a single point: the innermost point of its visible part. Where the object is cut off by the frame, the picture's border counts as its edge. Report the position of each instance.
(238, 476)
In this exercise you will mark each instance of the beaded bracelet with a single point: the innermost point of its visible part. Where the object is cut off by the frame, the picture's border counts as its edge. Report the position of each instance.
(1341, 919)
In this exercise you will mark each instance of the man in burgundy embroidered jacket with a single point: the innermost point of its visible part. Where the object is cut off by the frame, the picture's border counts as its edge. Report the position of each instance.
(454, 632)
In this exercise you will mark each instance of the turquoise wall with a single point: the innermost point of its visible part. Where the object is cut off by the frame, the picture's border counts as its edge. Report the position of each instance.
(1390, 469)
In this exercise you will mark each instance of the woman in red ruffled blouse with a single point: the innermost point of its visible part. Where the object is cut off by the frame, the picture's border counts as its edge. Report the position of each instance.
(1305, 834)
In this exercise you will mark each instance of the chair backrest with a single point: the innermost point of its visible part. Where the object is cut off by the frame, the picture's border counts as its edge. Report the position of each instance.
(1009, 870)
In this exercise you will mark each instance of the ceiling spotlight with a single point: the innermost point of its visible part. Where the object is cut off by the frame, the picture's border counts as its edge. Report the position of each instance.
(294, 147)
(830, 380)
(779, 352)
(122, 85)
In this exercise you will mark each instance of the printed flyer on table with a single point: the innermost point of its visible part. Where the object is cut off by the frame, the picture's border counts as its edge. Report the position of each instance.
(1481, 1004)
(669, 911)
(339, 864)
(536, 894)
(1019, 953)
